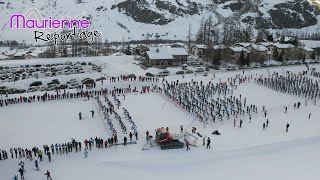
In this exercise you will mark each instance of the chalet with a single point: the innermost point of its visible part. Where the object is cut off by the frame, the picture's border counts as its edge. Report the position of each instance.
(315, 45)
(307, 52)
(235, 52)
(163, 56)
(286, 49)
(10, 54)
(198, 50)
(259, 53)
(20, 55)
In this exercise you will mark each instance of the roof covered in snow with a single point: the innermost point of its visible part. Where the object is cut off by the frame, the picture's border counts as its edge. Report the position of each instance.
(200, 46)
(283, 46)
(177, 44)
(266, 44)
(311, 44)
(259, 48)
(244, 44)
(219, 47)
(159, 53)
(178, 51)
(238, 49)
(305, 48)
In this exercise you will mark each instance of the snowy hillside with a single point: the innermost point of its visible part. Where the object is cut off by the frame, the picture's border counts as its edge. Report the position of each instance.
(144, 19)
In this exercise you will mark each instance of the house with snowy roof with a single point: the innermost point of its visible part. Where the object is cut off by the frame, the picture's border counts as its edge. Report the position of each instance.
(307, 51)
(166, 56)
(259, 53)
(177, 45)
(235, 51)
(198, 50)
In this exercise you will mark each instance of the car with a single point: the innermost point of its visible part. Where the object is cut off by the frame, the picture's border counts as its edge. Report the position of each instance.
(163, 73)
(257, 66)
(73, 86)
(72, 81)
(243, 67)
(179, 72)
(149, 74)
(216, 67)
(63, 86)
(52, 87)
(199, 70)
(189, 71)
(231, 68)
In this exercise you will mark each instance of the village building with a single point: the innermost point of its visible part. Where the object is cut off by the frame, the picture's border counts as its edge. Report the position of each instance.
(198, 50)
(163, 56)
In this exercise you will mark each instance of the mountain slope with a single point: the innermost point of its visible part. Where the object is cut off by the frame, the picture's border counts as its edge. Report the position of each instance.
(169, 19)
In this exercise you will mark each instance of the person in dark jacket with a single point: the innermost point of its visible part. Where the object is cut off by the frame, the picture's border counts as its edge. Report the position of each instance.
(208, 143)
(287, 127)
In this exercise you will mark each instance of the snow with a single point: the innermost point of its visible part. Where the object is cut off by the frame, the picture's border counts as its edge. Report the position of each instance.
(2, 57)
(305, 48)
(259, 48)
(283, 46)
(311, 44)
(159, 53)
(238, 49)
(246, 153)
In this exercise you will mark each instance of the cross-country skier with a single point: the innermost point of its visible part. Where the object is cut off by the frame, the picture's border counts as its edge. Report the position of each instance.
(125, 141)
(36, 164)
(187, 145)
(240, 123)
(48, 175)
(264, 126)
(21, 171)
(203, 141)
(15, 177)
(130, 136)
(85, 153)
(92, 113)
(309, 115)
(267, 124)
(80, 116)
(287, 127)
(208, 143)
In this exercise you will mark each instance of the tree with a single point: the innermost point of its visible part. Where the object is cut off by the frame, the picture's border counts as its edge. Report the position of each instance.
(217, 59)
(313, 55)
(248, 60)
(242, 60)
(275, 54)
(280, 57)
(270, 38)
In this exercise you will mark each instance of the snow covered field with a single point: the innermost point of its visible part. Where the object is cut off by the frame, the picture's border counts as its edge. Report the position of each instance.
(246, 153)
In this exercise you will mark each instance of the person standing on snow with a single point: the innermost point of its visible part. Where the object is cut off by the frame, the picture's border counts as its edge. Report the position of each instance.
(287, 127)
(125, 141)
(309, 115)
(130, 136)
(21, 171)
(208, 143)
(264, 126)
(267, 124)
(92, 113)
(187, 145)
(80, 116)
(240, 123)
(85, 153)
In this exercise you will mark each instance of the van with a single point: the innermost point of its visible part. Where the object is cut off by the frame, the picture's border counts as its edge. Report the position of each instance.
(163, 73)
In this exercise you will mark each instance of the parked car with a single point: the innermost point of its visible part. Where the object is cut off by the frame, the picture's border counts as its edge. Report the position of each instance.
(163, 73)
(199, 70)
(231, 68)
(179, 72)
(189, 71)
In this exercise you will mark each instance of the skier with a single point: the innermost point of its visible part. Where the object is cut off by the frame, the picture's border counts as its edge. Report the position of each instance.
(15, 177)
(240, 123)
(36, 164)
(48, 175)
(264, 126)
(208, 143)
(203, 141)
(92, 113)
(85, 153)
(130, 136)
(187, 145)
(250, 118)
(309, 115)
(125, 141)
(147, 135)
(21, 171)
(287, 127)
(80, 116)
(267, 123)
(181, 128)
